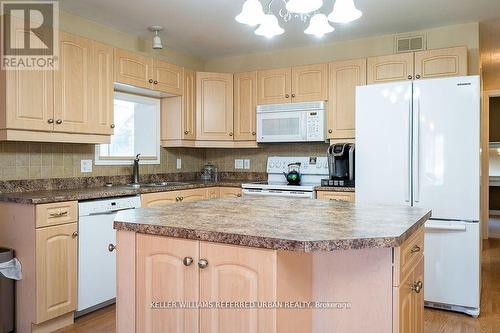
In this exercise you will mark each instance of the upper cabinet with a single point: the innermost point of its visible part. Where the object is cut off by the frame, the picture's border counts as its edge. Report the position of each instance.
(297, 84)
(394, 67)
(214, 106)
(188, 117)
(441, 62)
(345, 76)
(245, 103)
(145, 72)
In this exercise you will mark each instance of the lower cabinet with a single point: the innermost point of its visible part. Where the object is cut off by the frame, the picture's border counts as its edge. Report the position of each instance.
(341, 196)
(230, 192)
(170, 197)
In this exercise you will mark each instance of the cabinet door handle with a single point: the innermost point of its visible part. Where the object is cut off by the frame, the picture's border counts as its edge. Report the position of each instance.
(177, 199)
(230, 134)
(287, 96)
(416, 248)
(238, 195)
(58, 214)
(330, 131)
(150, 80)
(186, 132)
(293, 95)
(75, 234)
(417, 77)
(410, 77)
(111, 247)
(59, 121)
(417, 287)
(203, 263)
(112, 125)
(187, 261)
(155, 82)
(50, 120)
(253, 133)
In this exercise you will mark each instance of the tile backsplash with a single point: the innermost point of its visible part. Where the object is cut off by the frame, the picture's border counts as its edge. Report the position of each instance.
(26, 160)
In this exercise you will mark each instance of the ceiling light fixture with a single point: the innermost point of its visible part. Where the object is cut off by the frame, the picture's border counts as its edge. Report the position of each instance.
(344, 11)
(251, 14)
(319, 26)
(303, 6)
(157, 45)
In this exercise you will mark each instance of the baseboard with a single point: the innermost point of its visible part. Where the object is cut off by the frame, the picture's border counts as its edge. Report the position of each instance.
(53, 324)
(494, 212)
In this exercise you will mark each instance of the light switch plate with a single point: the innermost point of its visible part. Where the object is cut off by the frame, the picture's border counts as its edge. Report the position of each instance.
(238, 164)
(247, 164)
(179, 163)
(86, 166)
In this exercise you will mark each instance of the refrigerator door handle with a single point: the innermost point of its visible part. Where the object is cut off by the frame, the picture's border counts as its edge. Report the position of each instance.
(416, 149)
(408, 154)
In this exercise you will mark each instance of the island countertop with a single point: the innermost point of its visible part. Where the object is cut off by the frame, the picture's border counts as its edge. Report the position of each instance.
(280, 223)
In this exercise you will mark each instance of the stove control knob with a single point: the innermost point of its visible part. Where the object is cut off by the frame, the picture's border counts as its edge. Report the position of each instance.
(271, 165)
(318, 165)
(325, 165)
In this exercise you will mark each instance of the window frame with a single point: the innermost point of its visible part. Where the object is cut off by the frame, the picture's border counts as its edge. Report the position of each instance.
(129, 160)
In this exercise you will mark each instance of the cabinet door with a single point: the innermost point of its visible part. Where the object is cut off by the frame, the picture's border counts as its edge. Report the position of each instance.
(310, 83)
(101, 88)
(29, 99)
(192, 195)
(56, 264)
(441, 62)
(230, 192)
(341, 196)
(189, 106)
(162, 276)
(72, 108)
(213, 193)
(274, 86)
(344, 77)
(159, 199)
(418, 298)
(134, 69)
(245, 103)
(214, 106)
(406, 315)
(168, 78)
(394, 67)
(237, 274)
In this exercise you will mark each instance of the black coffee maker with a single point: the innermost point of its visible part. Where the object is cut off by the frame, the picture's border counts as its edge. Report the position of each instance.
(340, 165)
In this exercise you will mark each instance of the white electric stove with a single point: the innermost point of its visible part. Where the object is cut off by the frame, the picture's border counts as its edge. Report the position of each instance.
(312, 170)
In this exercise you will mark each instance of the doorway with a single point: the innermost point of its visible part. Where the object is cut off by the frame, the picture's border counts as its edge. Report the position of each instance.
(492, 98)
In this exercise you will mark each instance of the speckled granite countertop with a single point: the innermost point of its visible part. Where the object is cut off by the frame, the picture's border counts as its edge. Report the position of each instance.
(280, 223)
(49, 196)
(334, 189)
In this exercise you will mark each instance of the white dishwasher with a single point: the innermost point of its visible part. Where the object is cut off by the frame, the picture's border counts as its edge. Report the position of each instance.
(96, 258)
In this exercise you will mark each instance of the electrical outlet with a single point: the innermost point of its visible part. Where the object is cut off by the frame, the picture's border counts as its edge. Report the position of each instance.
(247, 164)
(179, 163)
(238, 164)
(86, 166)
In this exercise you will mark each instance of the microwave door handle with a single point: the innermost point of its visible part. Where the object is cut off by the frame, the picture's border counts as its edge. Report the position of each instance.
(304, 117)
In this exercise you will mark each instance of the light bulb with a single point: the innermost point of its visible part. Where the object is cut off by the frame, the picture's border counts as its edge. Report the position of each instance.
(269, 27)
(251, 14)
(344, 11)
(319, 26)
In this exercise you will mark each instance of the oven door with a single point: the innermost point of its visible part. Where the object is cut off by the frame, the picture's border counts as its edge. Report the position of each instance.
(282, 126)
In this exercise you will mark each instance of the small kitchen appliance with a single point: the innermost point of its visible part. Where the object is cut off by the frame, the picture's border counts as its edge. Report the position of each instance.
(340, 165)
(293, 174)
(209, 173)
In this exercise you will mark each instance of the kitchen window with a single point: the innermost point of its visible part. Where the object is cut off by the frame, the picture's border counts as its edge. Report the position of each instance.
(137, 131)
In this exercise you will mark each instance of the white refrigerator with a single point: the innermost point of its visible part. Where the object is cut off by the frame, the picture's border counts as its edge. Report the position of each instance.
(417, 143)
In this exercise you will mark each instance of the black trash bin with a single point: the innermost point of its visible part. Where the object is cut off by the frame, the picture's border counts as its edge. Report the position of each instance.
(6, 295)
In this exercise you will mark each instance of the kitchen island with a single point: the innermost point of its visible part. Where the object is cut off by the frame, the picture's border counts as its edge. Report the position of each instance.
(270, 265)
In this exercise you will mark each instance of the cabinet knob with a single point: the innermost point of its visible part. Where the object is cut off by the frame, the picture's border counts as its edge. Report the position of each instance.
(417, 287)
(418, 76)
(187, 261)
(230, 133)
(253, 133)
(287, 96)
(59, 121)
(416, 248)
(177, 199)
(155, 82)
(203, 263)
(112, 125)
(410, 77)
(111, 247)
(330, 131)
(186, 132)
(150, 80)
(75, 234)
(293, 95)
(238, 195)
(50, 121)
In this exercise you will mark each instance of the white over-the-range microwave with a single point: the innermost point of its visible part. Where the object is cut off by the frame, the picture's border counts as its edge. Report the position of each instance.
(292, 122)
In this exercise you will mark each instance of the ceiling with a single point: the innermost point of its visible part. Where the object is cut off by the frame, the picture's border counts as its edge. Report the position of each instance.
(207, 29)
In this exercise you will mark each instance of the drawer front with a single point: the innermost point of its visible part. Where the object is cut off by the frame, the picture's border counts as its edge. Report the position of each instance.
(192, 195)
(230, 192)
(342, 196)
(410, 252)
(56, 213)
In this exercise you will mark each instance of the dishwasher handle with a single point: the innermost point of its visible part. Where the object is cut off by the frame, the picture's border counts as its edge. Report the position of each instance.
(444, 226)
(109, 212)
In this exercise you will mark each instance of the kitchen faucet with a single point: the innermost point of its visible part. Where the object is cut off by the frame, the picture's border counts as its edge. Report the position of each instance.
(136, 170)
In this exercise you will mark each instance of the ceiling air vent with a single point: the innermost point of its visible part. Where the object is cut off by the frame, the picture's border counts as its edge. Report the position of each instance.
(407, 43)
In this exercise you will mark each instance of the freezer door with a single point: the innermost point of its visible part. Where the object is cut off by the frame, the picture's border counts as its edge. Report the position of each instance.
(383, 122)
(446, 147)
(452, 263)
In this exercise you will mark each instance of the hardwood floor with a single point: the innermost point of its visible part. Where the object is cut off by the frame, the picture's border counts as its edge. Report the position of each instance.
(436, 321)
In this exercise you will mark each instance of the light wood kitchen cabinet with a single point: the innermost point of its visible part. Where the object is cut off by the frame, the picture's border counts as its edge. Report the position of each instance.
(238, 274)
(344, 77)
(274, 86)
(101, 77)
(213, 193)
(394, 67)
(168, 78)
(56, 271)
(133, 69)
(441, 63)
(188, 117)
(245, 103)
(214, 106)
(166, 271)
(309, 83)
(170, 197)
(342, 196)
(230, 192)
